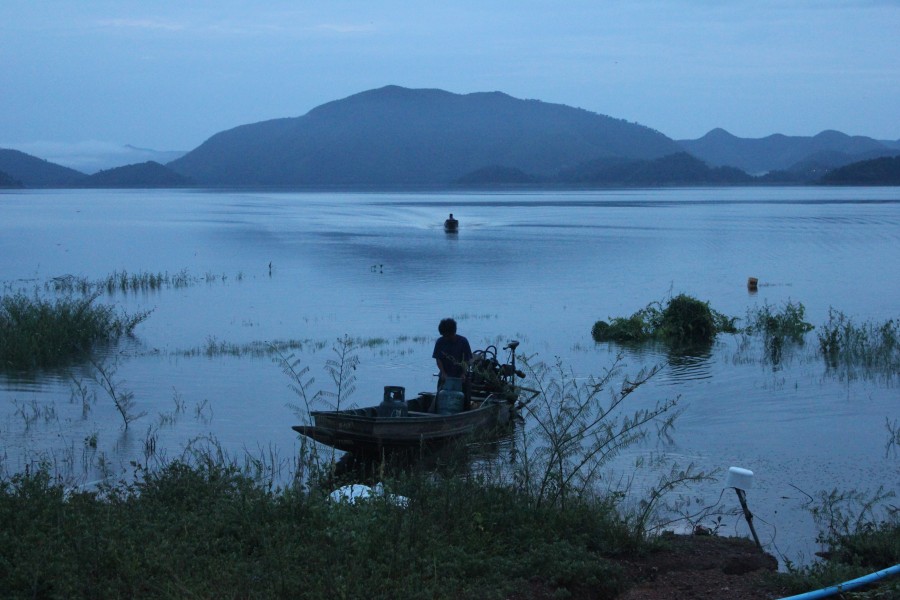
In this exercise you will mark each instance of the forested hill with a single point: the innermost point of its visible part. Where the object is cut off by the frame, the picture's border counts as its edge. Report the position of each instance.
(878, 171)
(7, 181)
(399, 136)
(148, 174)
(31, 171)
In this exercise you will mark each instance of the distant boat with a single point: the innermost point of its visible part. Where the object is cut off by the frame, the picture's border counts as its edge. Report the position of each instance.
(451, 225)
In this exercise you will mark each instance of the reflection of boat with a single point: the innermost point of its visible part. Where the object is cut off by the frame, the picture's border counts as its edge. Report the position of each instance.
(398, 424)
(451, 225)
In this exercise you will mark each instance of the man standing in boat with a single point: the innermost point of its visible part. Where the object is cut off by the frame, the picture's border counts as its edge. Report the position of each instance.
(452, 353)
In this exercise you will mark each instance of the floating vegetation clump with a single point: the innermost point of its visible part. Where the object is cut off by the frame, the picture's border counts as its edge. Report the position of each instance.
(37, 333)
(684, 320)
(870, 346)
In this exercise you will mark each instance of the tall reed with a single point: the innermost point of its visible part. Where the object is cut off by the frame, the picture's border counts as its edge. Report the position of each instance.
(868, 346)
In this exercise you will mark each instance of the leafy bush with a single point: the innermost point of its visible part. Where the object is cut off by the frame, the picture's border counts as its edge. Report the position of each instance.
(684, 320)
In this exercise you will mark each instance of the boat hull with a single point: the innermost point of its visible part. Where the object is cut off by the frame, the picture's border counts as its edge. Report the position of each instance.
(363, 430)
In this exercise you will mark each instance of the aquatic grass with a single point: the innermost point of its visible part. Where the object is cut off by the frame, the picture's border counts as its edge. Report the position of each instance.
(214, 348)
(893, 429)
(123, 400)
(38, 333)
(867, 347)
(778, 328)
(82, 394)
(124, 282)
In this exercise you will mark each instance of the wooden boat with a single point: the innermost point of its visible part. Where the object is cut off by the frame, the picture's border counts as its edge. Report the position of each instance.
(451, 225)
(398, 424)
(367, 430)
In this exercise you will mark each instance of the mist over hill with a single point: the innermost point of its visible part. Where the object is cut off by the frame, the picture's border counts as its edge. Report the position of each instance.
(400, 136)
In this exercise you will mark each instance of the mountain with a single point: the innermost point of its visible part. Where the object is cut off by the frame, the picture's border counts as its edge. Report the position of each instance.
(149, 174)
(400, 136)
(35, 172)
(7, 181)
(675, 169)
(496, 175)
(879, 171)
(827, 150)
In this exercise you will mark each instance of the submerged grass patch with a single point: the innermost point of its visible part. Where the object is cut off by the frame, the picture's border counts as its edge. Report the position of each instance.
(124, 282)
(869, 346)
(37, 333)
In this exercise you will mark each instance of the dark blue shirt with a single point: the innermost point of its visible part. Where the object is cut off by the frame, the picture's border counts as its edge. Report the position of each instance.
(452, 351)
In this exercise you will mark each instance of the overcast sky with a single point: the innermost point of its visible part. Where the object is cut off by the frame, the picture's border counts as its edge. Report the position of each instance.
(167, 74)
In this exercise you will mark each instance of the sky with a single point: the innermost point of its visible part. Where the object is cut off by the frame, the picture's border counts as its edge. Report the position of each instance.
(95, 75)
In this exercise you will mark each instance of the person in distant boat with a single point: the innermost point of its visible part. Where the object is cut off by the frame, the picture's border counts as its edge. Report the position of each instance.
(452, 352)
(451, 224)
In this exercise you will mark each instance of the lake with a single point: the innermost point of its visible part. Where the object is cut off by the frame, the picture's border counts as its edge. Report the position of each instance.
(541, 267)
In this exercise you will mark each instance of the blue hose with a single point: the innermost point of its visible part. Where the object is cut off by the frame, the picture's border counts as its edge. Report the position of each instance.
(847, 585)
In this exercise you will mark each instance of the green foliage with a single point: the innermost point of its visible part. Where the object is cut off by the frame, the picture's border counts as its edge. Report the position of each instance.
(683, 321)
(36, 333)
(208, 530)
(853, 530)
(873, 347)
(860, 534)
(787, 323)
(579, 427)
(778, 328)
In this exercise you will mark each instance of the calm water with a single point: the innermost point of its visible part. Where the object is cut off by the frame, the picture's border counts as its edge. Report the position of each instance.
(537, 267)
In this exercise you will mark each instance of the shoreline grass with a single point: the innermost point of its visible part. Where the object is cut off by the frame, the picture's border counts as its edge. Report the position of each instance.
(205, 526)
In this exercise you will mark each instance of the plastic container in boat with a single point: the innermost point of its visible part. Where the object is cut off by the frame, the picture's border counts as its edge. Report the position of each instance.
(394, 403)
(451, 398)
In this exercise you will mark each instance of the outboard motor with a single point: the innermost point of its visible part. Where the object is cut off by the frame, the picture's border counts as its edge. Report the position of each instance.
(394, 403)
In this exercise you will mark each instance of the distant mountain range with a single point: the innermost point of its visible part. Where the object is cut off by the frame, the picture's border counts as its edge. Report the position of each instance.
(395, 137)
(808, 157)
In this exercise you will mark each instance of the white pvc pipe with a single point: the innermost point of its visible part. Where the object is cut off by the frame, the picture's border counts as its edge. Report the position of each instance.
(847, 585)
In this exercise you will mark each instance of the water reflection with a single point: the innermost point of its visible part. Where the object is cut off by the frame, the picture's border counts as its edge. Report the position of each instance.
(462, 456)
(694, 363)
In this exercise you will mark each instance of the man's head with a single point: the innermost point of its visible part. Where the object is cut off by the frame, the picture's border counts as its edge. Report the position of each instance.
(447, 327)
